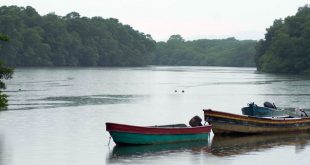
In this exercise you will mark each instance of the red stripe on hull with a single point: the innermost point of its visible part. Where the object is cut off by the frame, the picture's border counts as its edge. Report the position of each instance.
(156, 130)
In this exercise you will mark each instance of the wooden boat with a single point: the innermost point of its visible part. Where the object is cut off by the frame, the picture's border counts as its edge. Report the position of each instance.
(268, 110)
(228, 123)
(135, 135)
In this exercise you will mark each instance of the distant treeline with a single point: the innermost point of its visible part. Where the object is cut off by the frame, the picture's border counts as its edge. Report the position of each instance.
(205, 52)
(286, 47)
(72, 40)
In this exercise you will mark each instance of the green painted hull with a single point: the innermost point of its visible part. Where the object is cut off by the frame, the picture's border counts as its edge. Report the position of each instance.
(136, 139)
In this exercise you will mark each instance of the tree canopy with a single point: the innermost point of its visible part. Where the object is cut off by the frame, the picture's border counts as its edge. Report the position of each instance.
(286, 47)
(205, 52)
(71, 40)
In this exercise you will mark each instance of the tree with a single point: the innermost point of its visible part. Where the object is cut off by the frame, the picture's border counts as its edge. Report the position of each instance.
(176, 38)
(285, 48)
(5, 73)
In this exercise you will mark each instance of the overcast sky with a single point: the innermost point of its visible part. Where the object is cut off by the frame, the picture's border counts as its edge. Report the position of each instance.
(193, 19)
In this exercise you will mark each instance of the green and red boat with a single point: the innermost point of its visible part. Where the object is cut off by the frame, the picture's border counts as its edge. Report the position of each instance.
(123, 134)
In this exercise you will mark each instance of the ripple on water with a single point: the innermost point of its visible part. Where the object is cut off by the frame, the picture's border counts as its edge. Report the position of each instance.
(70, 101)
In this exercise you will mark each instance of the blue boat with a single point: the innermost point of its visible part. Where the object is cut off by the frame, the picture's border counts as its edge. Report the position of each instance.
(268, 110)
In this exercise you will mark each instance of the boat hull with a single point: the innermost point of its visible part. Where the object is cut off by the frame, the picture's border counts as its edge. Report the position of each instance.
(135, 135)
(124, 138)
(227, 123)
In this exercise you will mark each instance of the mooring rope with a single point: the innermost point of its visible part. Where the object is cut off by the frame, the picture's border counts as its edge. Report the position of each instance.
(109, 141)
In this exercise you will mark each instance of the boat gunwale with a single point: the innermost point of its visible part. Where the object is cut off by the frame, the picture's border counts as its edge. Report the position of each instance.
(212, 113)
(115, 127)
(228, 123)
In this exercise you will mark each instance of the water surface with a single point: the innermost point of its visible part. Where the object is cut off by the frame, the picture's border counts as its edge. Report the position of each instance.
(58, 115)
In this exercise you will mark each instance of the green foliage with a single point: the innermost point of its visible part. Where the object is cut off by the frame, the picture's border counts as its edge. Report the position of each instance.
(5, 73)
(3, 38)
(286, 47)
(72, 40)
(224, 52)
(3, 101)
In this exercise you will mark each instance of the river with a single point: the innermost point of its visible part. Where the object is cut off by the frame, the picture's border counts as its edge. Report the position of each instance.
(58, 115)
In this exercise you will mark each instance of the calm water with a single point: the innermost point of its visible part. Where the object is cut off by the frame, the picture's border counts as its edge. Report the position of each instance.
(57, 116)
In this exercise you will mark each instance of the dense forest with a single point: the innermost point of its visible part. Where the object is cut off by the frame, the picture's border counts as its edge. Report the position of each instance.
(73, 40)
(205, 52)
(286, 47)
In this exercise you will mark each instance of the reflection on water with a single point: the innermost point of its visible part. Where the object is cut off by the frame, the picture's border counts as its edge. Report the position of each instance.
(127, 152)
(1, 150)
(222, 146)
(69, 101)
(90, 100)
(232, 145)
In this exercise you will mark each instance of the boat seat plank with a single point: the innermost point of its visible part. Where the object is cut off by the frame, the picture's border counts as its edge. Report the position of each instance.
(170, 126)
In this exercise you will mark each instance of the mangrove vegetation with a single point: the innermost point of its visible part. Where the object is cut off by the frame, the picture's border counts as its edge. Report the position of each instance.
(74, 40)
(286, 47)
(5, 73)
